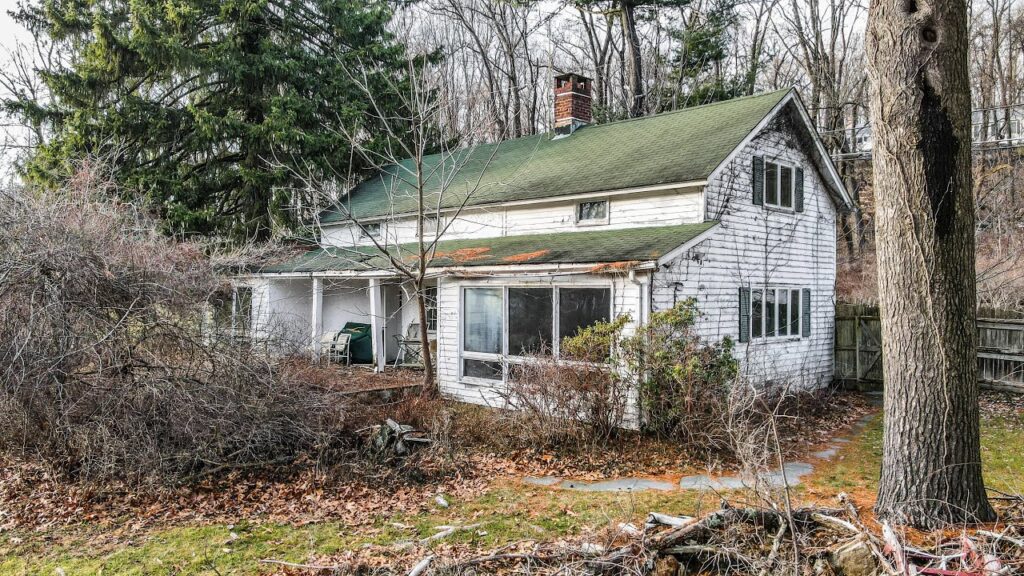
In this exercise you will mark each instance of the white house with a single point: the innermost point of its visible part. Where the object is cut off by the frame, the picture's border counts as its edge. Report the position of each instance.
(733, 204)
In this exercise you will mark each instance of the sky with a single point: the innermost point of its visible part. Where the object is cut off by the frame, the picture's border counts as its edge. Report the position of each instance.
(9, 30)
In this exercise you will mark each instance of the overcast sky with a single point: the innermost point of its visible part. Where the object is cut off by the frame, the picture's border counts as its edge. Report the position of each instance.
(9, 30)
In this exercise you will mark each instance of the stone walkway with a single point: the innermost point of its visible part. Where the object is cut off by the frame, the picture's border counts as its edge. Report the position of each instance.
(792, 474)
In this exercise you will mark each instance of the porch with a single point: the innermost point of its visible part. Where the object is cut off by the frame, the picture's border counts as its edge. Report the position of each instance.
(294, 313)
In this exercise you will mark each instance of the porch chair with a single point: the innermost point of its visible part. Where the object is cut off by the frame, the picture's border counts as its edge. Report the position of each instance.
(410, 347)
(335, 346)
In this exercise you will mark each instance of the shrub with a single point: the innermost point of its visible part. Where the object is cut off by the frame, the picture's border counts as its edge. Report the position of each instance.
(683, 383)
(104, 369)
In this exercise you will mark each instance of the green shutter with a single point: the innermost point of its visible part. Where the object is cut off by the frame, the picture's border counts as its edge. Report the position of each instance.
(805, 303)
(798, 194)
(744, 314)
(758, 178)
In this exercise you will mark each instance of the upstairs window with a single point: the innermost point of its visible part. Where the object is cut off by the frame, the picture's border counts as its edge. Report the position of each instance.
(778, 185)
(592, 212)
(371, 230)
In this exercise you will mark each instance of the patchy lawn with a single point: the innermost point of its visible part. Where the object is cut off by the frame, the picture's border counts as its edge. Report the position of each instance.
(502, 511)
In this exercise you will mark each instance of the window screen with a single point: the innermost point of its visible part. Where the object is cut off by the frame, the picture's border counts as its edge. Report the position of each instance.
(482, 320)
(592, 211)
(485, 369)
(529, 320)
(582, 307)
(771, 183)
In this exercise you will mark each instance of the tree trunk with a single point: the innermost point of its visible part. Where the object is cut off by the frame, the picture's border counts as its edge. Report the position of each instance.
(920, 114)
(636, 75)
(426, 354)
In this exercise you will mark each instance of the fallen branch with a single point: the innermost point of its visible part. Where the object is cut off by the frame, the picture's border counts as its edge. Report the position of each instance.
(301, 566)
(421, 566)
(446, 531)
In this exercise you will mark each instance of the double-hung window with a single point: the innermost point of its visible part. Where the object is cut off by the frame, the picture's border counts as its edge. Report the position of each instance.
(774, 312)
(779, 182)
(508, 324)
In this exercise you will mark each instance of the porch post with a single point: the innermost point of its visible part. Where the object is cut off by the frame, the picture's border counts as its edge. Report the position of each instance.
(376, 325)
(317, 316)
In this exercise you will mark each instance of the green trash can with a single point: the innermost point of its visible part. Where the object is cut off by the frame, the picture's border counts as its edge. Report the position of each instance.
(361, 344)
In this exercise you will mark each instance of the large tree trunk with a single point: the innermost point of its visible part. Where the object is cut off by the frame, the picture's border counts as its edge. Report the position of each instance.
(920, 114)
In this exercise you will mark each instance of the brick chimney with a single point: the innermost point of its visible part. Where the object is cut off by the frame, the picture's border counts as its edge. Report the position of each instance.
(572, 103)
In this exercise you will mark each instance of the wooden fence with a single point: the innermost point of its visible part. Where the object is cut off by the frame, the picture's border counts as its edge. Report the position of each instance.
(858, 348)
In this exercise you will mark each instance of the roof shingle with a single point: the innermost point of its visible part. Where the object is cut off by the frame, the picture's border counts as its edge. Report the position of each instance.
(599, 247)
(681, 146)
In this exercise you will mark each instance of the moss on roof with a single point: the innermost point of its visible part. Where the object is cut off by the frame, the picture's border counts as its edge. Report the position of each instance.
(681, 146)
(608, 250)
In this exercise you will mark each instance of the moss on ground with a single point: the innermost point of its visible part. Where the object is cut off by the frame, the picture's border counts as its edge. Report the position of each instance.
(507, 512)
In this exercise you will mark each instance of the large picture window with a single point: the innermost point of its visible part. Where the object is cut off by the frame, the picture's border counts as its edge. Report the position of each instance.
(775, 312)
(506, 324)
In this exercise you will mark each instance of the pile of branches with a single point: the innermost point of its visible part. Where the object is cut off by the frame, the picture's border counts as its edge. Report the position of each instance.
(763, 541)
(107, 369)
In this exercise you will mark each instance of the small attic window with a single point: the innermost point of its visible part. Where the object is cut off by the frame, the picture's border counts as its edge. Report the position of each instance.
(371, 230)
(595, 212)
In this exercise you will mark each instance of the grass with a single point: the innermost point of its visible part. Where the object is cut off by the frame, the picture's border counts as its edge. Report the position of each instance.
(856, 470)
(507, 512)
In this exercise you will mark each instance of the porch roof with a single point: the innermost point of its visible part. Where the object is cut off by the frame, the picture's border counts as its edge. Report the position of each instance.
(603, 248)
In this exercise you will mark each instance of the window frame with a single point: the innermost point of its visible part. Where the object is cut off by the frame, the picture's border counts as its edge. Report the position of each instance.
(504, 357)
(592, 221)
(430, 303)
(372, 230)
(792, 334)
(779, 165)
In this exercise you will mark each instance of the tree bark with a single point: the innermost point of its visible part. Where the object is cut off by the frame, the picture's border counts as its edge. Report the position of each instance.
(920, 113)
(636, 74)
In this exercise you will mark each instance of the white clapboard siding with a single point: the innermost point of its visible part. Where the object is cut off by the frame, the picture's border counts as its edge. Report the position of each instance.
(754, 246)
(627, 298)
(663, 208)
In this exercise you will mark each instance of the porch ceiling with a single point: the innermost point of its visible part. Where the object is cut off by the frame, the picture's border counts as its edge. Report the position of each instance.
(602, 248)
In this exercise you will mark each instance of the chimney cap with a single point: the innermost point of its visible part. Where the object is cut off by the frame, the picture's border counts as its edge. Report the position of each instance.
(568, 75)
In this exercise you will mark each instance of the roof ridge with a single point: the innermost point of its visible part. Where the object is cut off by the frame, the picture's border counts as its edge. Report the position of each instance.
(688, 108)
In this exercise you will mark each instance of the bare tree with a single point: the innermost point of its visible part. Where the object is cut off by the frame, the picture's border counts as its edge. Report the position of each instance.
(920, 113)
(441, 177)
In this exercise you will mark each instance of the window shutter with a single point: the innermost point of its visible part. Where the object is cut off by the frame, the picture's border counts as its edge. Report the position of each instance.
(798, 194)
(744, 314)
(758, 178)
(805, 303)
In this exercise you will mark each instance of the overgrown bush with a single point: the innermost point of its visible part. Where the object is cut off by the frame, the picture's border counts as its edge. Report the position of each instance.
(683, 383)
(680, 384)
(105, 370)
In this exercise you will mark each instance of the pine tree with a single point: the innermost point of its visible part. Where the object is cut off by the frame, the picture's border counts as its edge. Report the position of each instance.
(210, 108)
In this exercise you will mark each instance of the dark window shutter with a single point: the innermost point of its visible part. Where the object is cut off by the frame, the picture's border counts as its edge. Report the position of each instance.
(805, 303)
(798, 194)
(758, 178)
(744, 314)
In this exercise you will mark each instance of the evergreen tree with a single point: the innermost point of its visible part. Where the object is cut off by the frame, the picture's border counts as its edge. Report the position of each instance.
(210, 107)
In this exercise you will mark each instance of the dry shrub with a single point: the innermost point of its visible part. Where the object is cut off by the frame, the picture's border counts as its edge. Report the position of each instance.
(565, 403)
(105, 368)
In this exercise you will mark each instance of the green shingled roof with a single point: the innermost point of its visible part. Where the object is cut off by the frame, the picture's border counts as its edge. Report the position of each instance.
(590, 247)
(681, 146)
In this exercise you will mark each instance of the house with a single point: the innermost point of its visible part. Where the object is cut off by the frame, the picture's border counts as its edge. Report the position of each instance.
(733, 204)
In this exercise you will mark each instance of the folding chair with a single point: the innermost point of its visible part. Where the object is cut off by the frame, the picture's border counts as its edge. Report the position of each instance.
(410, 347)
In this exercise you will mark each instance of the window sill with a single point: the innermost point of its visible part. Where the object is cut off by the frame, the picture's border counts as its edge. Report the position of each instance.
(780, 209)
(586, 223)
(775, 340)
